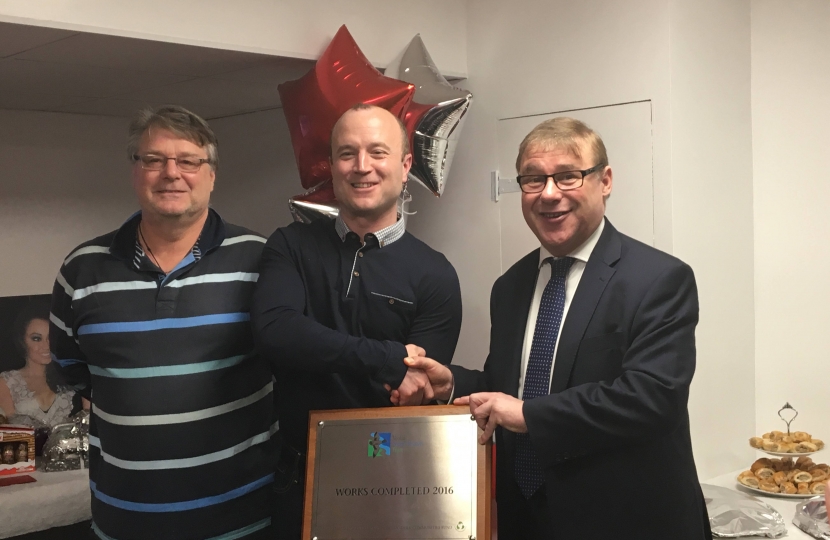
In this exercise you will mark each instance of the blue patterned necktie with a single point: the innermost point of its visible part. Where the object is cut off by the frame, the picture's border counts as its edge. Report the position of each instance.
(537, 376)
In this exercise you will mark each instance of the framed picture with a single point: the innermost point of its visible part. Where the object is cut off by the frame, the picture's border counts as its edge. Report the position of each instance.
(32, 391)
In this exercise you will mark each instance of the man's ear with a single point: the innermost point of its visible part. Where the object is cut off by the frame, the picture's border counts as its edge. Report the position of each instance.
(407, 164)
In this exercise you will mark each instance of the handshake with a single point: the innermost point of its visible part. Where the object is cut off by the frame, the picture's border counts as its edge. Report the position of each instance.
(425, 380)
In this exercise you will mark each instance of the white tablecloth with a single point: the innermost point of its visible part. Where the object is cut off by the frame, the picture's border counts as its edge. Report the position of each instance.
(54, 500)
(785, 506)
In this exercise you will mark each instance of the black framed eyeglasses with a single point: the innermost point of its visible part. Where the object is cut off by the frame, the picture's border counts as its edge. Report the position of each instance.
(565, 180)
(155, 162)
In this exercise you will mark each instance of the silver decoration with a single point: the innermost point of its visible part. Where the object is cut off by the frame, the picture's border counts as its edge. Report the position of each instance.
(436, 133)
(811, 517)
(67, 447)
(306, 212)
(733, 514)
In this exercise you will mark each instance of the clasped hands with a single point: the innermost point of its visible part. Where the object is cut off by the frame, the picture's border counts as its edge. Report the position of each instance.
(427, 379)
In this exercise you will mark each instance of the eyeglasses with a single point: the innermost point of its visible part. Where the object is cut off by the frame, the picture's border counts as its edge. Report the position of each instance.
(154, 162)
(565, 180)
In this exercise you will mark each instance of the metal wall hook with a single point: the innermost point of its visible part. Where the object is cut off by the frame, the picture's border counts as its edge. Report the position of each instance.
(787, 406)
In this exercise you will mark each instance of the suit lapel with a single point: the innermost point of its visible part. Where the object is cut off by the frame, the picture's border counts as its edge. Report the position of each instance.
(597, 274)
(525, 285)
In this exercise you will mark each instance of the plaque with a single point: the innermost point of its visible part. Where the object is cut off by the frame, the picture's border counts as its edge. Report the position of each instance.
(403, 473)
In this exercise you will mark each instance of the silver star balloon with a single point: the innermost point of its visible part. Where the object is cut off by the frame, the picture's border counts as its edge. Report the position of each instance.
(435, 117)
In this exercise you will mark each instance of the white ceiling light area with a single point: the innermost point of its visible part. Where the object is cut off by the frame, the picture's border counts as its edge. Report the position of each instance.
(46, 69)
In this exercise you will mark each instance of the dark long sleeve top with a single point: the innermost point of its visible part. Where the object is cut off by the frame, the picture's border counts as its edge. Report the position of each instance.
(332, 316)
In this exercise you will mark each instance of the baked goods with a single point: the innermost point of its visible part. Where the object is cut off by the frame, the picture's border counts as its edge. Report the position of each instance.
(786, 475)
(803, 477)
(818, 475)
(797, 442)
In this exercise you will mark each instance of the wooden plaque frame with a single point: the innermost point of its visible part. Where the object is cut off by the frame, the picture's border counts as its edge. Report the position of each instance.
(483, 457)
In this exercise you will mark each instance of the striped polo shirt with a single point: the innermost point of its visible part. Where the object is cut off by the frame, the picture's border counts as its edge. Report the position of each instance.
(182, 407)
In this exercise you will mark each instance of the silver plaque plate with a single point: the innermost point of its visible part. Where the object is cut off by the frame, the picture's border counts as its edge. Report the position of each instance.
(395, 478)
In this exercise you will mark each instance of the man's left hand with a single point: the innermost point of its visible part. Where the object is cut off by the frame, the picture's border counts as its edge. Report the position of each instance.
(491, 409)
(414, 389)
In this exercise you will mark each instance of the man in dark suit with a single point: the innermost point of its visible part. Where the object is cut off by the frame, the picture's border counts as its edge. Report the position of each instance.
(592, 351)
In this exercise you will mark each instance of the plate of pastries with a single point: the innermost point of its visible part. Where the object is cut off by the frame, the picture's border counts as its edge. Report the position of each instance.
(795, 444)
(786, 477)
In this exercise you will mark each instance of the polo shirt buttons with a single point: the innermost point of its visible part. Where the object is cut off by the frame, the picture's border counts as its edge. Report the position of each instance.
(360, 254)
(357, 274)
(391, 301)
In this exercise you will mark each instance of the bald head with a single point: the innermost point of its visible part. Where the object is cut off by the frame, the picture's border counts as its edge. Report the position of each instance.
(376, 111)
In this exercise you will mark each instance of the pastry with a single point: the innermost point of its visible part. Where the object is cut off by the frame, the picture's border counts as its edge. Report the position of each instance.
(779, 478)
(800, 436)
(789, 488)
(818, 488)
(787, 464)
(756, 442)
(770, 446)
(770, 487)
(819, 443)
(749, 481)
(799, 463)
(760, 464)
(818, 475)
(776, 435)
(805, 447)
(765, 473)
(804, 489)
(803, 477)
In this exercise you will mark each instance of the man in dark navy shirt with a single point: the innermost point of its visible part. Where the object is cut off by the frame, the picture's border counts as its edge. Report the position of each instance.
(340, 303)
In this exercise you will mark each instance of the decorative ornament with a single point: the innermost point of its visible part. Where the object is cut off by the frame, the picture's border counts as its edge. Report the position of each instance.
(434, 119)
(67, 447)
(342, 77)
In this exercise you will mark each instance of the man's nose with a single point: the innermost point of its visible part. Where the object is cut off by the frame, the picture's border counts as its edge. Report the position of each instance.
(171, 169)
(363, 162)
(551, 191)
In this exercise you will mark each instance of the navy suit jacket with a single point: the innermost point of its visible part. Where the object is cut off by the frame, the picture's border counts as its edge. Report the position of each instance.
(613, 435)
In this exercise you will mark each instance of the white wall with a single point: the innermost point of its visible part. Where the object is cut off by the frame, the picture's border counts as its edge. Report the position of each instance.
(293, 28)
(711, 176)
(64, 179)
(537, 56)
(791, 142)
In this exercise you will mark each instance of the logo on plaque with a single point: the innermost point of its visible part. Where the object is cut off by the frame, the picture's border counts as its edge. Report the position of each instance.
(380, 444)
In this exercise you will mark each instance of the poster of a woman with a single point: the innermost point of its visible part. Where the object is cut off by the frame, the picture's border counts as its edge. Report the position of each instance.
(31, 391)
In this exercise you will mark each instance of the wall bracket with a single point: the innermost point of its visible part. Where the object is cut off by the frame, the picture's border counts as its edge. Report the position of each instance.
(498, 186)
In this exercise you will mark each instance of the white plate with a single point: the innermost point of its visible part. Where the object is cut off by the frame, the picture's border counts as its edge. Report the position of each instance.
(763, 493)
(792, 455)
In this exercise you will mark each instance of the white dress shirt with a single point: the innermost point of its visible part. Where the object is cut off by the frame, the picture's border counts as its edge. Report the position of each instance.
(580, 256)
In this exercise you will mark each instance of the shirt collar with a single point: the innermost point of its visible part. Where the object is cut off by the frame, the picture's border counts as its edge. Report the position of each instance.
(124, 242)
(385, 236)
(583, 252)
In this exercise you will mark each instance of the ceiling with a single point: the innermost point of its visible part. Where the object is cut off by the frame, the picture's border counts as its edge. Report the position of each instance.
(46, 69)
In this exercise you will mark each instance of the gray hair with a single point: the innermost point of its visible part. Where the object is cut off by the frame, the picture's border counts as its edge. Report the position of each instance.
(178, 120)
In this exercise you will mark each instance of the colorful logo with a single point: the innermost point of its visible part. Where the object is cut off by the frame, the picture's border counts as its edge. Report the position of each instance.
(380, 444)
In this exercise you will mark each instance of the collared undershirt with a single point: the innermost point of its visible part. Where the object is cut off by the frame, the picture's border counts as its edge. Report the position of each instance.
(385, 236)
(140, 253)
(580, 256)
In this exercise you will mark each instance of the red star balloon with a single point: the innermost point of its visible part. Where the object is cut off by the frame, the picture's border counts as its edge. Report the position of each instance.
(342, 77)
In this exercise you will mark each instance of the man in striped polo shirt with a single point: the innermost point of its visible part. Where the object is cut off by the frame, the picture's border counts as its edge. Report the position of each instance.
(151, 323)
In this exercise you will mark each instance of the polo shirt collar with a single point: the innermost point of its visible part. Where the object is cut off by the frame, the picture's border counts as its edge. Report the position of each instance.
(124, 241)
(385, 236)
